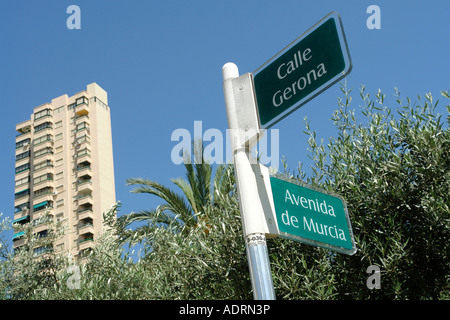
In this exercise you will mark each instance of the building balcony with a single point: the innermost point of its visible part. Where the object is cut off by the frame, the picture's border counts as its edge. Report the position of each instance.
(21, 220)
(44, 131)
(84, 177)
(18, 239)
(22, 136)
(21, 196)
(85, 229)
(47, 194)
(42, 207)
(42, 252)
(21, 214)
(43, 158)
(22, 172)
(22, 161)
(83, 156)
(43, 168)
(82, 105)
(48, 143)
(83, 170)
(82, 109)
(83, 118)
(42, 110)
(84, 199)
(24, 128)
(42, 119)
(21, 200)
(85, 214)
(83, 143)
(84, 186)
(44, 214)
(42, 226)
(86, 241)
(83, 131)
(21, 186)
(23, 146)
(48, 183)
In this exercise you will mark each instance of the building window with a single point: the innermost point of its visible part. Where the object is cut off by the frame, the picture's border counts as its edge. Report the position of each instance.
(83, 165)
(21, 194)
(83, 152)
(43, 126)
(82, 139)
(42, 139)
(44, 177)
(79, 117)
(23, 155)
(43, 191)
(43, 151)
(82, 100)
(81, 126)
(43, 205)
(44, 164)
(21, 207)
(58, 124)
(43, 113)
(42, 250)
(100, 102)
(22, 143)
(59, 203)
(19, 235)
(22, 168)
(42, 234)
(22, 181)
(58, 137)
(58, 110)
(59, 175)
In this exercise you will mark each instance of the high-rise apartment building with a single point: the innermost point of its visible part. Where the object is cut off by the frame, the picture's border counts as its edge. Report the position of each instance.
(64, 166)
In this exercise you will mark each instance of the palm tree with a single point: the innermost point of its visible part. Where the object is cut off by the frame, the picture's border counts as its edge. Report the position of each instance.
(179, 211)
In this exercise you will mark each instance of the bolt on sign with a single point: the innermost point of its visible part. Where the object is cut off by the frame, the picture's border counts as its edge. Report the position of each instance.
(308, 66)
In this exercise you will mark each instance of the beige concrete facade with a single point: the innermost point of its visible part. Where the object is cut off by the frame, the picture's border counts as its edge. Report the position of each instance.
(64, 166)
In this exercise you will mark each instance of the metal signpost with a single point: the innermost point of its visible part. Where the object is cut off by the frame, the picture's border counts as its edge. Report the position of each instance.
(238, 95)
(308, 66)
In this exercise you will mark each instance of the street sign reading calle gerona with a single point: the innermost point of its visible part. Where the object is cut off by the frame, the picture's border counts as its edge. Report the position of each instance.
(312, 63)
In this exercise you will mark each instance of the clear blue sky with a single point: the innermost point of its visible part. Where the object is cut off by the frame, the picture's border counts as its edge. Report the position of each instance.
(161, 64)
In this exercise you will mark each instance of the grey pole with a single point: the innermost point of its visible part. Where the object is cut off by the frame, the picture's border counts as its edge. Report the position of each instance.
(249, 201)
(259, 265)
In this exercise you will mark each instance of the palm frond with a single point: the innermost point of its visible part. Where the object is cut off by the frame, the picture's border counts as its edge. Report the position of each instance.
(191, 179)
(155, 217)
(203, 177)
(188, 192)
(176, 203)
(198, 193)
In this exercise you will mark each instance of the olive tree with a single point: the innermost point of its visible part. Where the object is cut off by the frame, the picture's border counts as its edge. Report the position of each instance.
(393, 169)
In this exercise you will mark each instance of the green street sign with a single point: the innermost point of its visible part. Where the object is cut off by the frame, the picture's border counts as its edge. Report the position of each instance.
(312, 215)
(308, 66)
